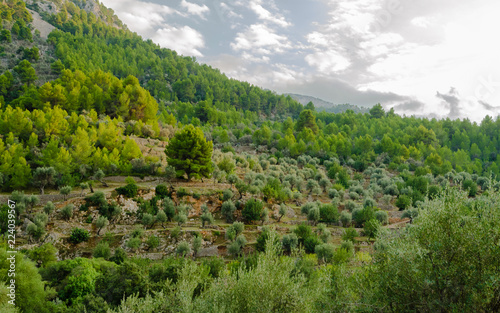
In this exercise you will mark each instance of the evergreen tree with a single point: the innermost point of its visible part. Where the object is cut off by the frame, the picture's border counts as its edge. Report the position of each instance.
(190, 153)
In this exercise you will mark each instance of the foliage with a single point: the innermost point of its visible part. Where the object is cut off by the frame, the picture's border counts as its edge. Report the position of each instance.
(325, 252)
(190, 153)
(129, 190)
(463, 278)
(102, 250)
(183, 248)
(329, 214)
(252, 210)
(78, 235)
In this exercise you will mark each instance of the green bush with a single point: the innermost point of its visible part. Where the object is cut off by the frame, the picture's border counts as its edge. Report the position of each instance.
(350, 234)
(325, 252)
(162, 191)
(252, 210)
(79, 235)
(67, 211)
(129, 190)
(134, 243)
(345, 218)
(289, 242)
(329, 214)
(311, 242)
(382, 217)
(227, 194)
(153, 242)
(102, 250)
(183, 248)
(403, 202)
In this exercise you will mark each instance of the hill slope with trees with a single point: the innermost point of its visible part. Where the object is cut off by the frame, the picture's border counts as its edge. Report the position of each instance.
(137, 179)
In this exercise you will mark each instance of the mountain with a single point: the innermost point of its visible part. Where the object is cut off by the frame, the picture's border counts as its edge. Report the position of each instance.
(322, 105)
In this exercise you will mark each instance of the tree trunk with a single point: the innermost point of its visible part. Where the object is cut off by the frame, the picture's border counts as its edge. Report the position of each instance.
(42, 190)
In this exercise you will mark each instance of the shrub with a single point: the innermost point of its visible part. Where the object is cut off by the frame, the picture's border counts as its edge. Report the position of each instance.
(102, 250)
(325, 252)
(227, 194)
(470, 186)
(169, 208)
(119, 256)
(129, 190)
(98, 199)
(138, 232)
(382, 217)
(215, 264)
(341, 256)
(238, 227)
(369, 202)
(345, 218)
(350, 234)
(403, 202)
(67, 211)
(311, 242)
(180, 218)
(410, 213)
(333, 193)
(306, 207)
(49, 208)
(391, 190)
(183, 248)
(227, 210)
(78, 235)
(289, 242)
(252, 210)
(348, 245)
(65, 191)
(207, 218)
(44, 254)
(371, 228)
(134, 243)
(148, 220)
(197, 241)
(162, 191)
(303, 232)
(360, 216)
(235, 247)
(350, 205)
(329, 213)
(153, 242)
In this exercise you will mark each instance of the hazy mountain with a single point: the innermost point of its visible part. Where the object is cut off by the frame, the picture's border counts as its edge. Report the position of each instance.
(322, 105)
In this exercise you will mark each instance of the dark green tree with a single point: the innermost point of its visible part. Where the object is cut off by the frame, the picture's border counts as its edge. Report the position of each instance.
(26, 72)
(190, 153)
(306, 119)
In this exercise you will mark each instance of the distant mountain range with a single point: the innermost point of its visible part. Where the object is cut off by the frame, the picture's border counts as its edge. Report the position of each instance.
(322, 105)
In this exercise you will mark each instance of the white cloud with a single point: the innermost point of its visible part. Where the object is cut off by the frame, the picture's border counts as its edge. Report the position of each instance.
(195, 9)
(265, 15)
(328, 62)
(228, 11)
(260, 39)
(142, 17)
(184, 40)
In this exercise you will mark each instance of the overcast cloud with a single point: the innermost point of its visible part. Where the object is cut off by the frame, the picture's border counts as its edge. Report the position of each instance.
(426, 57)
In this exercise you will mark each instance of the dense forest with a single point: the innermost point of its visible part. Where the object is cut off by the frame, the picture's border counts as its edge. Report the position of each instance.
(139, 180)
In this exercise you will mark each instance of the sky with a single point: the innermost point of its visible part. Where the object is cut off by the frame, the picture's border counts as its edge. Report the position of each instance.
(421, 57)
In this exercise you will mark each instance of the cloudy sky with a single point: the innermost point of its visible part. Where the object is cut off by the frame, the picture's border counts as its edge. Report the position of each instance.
(422, 57)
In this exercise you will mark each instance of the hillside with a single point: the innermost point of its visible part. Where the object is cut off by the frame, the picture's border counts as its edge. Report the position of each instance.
(135, 179)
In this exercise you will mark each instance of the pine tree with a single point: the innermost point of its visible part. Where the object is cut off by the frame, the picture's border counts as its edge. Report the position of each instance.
(190, 153)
